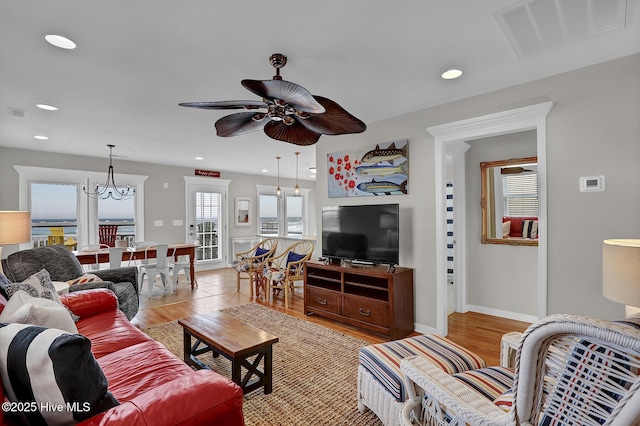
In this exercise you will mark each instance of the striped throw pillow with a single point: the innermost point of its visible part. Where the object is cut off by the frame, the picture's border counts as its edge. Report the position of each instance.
(46, 367)
(529, 229)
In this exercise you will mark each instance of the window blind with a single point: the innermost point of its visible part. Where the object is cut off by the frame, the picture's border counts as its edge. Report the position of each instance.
(520, 194)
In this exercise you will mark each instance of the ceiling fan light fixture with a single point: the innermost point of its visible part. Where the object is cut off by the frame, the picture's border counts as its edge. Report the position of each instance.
(292, 113)
(451, 74)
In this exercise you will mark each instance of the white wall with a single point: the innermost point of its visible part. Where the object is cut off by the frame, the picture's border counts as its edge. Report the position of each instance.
(593, 129)
(499, 277)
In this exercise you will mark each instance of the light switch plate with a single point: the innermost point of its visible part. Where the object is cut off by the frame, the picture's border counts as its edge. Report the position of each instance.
(177, 222)
(158, 223)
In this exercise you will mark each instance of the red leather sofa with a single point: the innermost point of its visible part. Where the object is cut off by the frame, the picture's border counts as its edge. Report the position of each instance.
(153, 386)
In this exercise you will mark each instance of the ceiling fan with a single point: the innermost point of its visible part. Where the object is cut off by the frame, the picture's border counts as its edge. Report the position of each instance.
(287, 112)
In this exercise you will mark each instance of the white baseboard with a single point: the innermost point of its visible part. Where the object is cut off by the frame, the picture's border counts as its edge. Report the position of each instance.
(424, 329)
(504, 314)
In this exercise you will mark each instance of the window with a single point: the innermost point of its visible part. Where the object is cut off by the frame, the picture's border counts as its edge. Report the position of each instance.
(288, 213)
(294, 216)
(267, 215)
(520, 194)
(208, 209)
(54, 213)
(121, 213)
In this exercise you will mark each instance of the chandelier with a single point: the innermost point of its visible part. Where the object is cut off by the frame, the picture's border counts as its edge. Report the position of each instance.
(110, 189)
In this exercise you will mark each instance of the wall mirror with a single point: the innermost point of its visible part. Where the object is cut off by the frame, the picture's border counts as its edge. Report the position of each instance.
(243, 211)
(509, 201)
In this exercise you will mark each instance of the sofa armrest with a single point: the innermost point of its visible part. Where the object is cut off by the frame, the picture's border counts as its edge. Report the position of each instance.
(118, 275)
(180, 401)
(86, 303)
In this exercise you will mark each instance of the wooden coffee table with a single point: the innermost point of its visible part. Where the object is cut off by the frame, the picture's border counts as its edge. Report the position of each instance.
(221, 334)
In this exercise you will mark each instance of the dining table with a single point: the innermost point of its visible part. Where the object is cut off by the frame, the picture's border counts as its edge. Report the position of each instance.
(88, 257)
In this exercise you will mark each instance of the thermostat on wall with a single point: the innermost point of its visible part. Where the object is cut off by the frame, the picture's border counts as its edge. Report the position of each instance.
(591, 183)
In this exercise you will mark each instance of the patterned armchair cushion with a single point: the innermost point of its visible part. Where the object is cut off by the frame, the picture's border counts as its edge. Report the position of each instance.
(491, 382)
(274, 274)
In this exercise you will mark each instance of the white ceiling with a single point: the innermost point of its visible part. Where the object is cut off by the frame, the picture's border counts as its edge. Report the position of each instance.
(136, 60)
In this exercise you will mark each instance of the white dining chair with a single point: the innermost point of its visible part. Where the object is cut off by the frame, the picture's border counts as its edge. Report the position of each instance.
(94, 248)
(154, 266)
(176, 265)
(115, 257)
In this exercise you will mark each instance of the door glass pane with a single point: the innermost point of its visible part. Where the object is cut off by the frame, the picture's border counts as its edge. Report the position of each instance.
(54, 214)
(294, 215)
(120, 213)
(208, 208)
(268, 215)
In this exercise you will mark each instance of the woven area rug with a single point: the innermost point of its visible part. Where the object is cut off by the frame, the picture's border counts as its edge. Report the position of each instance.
(314, 370)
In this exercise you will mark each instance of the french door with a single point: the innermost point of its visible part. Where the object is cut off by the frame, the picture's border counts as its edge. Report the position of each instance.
(207, 220)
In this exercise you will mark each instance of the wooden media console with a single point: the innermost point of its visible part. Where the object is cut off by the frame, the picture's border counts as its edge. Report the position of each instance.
(368, 297)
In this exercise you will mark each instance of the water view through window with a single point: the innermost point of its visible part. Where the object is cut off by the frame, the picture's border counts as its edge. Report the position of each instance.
(55, 205)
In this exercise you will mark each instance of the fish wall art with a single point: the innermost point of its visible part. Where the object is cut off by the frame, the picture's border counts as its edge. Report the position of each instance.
(370, 171)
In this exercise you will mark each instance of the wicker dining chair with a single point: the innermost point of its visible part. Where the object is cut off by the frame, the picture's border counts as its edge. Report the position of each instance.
(286, 272)
(570, 370)
(250, 264)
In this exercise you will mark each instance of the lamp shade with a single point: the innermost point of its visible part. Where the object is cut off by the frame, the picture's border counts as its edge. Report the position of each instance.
(15, 227)
(621, 271)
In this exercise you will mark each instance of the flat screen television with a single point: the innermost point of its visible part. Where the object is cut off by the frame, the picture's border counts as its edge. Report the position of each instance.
(367, 233)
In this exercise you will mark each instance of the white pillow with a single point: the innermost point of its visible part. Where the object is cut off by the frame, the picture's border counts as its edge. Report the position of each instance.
(506, 229)
(25, 309)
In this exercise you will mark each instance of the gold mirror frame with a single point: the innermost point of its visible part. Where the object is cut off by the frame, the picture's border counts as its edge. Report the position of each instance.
(485, 239)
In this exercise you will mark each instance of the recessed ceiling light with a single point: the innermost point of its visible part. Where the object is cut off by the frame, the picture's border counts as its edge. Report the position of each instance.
(265, 171)
(47, 107)
(199, 158)
(451, 74)
(313, 170)
(41, 137)
(60, 41)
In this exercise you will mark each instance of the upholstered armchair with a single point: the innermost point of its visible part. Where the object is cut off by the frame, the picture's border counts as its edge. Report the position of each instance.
(285, 272)
(250, 264)
(62, 265)
(569, 370)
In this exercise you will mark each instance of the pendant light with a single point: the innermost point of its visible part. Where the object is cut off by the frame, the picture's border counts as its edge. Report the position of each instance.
(278, 189)
(110, 189)
(296, 190)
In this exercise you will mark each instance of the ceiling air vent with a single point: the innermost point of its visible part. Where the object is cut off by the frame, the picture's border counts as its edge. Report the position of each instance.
(533, 26)
(19, 113)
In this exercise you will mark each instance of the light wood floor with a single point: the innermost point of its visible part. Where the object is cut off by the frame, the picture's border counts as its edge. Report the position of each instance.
(217, 290)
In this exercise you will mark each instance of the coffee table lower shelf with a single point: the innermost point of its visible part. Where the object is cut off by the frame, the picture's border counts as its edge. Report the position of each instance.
(224, 335)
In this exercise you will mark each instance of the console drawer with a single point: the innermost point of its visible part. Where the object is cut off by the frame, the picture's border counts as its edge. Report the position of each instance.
(326, 300)
(367, 310)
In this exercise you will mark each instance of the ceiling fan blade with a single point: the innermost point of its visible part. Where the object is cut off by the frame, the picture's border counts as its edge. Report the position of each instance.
(239, 124)
(225, 105)
(295, 133)
(296, 96)
(336, 121)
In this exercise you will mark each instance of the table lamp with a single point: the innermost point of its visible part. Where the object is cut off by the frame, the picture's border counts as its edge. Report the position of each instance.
(621, 273)
(15, 228)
